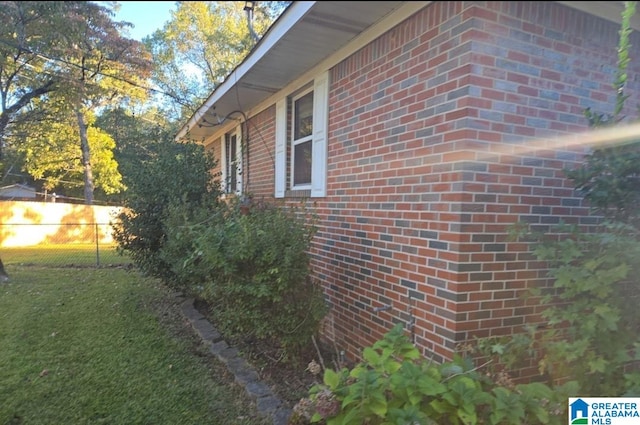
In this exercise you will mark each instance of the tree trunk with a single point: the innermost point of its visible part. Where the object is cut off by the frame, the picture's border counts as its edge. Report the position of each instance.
(86, 159)
(3, 274)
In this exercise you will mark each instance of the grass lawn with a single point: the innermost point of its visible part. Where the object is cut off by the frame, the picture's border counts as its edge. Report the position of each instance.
(104, 346)
(63, 255)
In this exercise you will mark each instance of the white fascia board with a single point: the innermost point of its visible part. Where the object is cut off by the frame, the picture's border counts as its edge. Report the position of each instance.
(292, 15)
(404, 12)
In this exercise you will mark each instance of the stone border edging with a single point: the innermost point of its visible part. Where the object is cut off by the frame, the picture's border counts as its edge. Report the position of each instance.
(268, 404)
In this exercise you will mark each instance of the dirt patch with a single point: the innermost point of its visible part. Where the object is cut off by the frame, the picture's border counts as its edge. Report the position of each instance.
(289, 378)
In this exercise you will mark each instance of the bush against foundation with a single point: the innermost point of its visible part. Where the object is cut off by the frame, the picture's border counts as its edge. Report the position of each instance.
(394, 384)
(251, 264)
(175, 173)
(592, 318)
(185, 224)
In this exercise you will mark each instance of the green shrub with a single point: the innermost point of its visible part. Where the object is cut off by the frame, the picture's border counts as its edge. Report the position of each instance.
(592, 317)
(178, 173)
(394, 384)
(185, 224)
(252, 266)
(609, 178)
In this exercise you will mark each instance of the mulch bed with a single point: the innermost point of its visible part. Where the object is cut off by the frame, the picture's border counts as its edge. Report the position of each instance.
(288, 378)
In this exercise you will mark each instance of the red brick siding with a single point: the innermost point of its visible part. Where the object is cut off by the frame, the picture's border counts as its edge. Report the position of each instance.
(440, 138)
(258, 154)
(260, 139)
(215, 147)
(539, 74)
(421, 187)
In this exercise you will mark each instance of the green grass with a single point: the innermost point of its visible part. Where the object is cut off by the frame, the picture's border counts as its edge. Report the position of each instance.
(105, 346)
(67, 254)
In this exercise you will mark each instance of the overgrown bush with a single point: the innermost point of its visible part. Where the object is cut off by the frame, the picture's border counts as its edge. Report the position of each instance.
(185, 224)
(394, 384)
(591, 315)
(178, 173)
(609, 178)
(252, 266)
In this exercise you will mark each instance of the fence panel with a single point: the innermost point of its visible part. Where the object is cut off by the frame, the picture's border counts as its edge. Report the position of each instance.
(60, 244)
(57, 233)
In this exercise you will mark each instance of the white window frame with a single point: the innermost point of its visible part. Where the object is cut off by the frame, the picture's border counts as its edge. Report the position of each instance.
(319, 141)
(226, 165)
(295, 142)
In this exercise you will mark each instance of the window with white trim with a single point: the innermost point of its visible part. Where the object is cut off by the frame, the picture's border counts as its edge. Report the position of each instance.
(302, 135)
(301, 140)
(232, 162)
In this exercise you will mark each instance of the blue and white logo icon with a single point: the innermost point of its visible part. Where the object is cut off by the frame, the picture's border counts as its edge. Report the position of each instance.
(579, 412)
(604, 411)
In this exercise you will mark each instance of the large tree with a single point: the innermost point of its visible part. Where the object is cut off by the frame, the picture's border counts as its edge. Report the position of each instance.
(201, 44)
(28, 38)
(138, 135)
(73, 55)
(52, 155)
(104, 68)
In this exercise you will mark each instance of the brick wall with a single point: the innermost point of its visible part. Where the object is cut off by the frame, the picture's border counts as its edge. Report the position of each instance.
(442, 135)
(258, 154)
(259, 136)
(215, 147)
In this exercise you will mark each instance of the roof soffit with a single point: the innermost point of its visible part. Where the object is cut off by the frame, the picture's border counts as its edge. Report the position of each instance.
(307, 33)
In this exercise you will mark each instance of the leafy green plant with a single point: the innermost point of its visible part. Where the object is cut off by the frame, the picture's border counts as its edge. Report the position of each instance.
(394, 384)
(610, 180)
(591, 314)
(178, 173)
(251, 263)
(508, 353)
(184, 225)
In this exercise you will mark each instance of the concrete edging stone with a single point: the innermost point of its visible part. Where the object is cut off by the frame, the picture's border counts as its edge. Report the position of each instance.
(245, 375)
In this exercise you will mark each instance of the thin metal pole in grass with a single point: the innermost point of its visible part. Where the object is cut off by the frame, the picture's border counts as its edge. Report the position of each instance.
(97, 246)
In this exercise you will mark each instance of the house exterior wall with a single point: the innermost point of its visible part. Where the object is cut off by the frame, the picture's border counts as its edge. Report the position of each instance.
(17, 192)
(215, 148)
(441, 136)
(258, 137)
(260, 140)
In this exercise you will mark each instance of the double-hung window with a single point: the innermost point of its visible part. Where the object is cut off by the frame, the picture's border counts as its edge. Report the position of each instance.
(232, 162)
(301, 140)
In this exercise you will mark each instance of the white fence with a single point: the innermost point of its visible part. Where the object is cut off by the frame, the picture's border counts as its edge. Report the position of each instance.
(24, 223)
